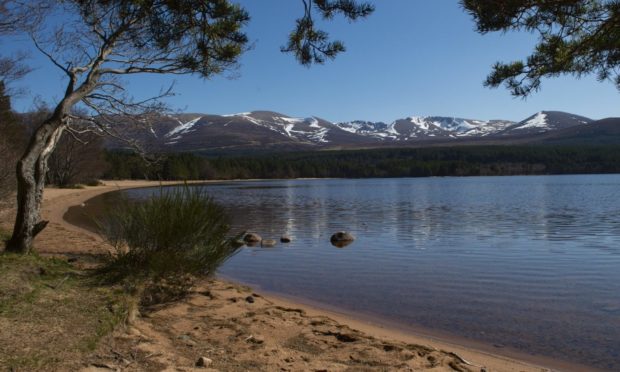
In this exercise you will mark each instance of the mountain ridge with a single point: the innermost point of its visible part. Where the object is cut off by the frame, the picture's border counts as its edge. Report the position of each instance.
(270, 130)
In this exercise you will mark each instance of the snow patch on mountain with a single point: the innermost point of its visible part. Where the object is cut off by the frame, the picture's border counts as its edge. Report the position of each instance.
(319, 136)
(414, 127)
(237, 114)
(314, 123)
(288, 128)
(302, 129)
(251, 119)
(183, 127)
(460, 125)
(420, 122)
(487, 128)
(391, 131)
(538, 121)
(367, 128)
(288, 120)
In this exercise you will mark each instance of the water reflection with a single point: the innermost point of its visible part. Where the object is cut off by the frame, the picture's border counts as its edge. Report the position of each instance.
(528, 262)
(342, 243)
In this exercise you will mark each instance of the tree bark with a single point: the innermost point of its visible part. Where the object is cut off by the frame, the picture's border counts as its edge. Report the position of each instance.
(31, 170)
(32, 167)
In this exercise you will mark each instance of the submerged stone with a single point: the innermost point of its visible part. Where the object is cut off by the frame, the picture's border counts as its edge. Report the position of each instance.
(341, 239)
(252, 238)
(268, 243)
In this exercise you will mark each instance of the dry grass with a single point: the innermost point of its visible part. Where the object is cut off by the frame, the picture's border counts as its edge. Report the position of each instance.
(52, 315)
(3, 236)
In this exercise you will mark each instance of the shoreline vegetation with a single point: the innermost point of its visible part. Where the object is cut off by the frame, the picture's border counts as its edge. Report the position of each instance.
(230, 325)
(371, 163)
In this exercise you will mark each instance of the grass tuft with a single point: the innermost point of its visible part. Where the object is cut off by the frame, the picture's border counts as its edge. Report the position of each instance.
(164, 243)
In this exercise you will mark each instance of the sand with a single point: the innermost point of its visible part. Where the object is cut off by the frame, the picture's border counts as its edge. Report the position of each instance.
(238, 329)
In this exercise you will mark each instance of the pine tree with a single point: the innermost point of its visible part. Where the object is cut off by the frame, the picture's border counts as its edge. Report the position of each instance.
(576, 37)
(102, 40)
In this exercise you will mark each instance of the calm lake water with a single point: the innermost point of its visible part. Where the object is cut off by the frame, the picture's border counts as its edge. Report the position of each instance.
(530, 263)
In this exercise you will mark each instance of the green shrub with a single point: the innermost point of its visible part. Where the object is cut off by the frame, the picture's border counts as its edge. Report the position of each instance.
(164, 243)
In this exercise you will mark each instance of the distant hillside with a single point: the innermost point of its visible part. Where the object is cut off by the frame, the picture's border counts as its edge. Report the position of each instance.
(268, 131)
(258, 130)
(545, 121)
(601, 132)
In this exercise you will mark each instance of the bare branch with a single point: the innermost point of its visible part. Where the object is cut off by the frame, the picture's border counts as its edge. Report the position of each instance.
(75, 135)
(51, 57)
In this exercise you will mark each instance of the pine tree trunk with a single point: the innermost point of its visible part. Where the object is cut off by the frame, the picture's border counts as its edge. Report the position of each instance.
(31, 170)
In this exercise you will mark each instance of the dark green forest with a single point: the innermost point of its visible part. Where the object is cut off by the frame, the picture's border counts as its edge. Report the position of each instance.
(420, 162)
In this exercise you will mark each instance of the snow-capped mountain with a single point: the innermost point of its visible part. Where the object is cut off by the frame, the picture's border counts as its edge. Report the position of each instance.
(310, 129)
(195, 132)
(268, 130)
(418, 127)
(545, 121)
(365, 128)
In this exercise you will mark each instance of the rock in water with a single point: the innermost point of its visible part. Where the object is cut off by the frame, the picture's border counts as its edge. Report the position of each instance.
(285, 239)
(342, 239)
(268, 243)
(252, 238)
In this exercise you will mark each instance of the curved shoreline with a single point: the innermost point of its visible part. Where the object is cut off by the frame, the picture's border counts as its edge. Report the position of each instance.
(58, 201)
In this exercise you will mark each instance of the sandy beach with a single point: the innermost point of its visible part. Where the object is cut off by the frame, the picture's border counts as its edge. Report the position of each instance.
(240, 329)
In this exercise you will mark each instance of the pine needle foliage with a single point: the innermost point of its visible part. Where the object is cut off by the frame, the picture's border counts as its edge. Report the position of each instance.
(311, 45)
(575, 37)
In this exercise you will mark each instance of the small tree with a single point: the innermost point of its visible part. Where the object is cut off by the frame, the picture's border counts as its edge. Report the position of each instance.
(12, 135)
(12, 138)
(76, 160)
(576, 37)
(94, 42)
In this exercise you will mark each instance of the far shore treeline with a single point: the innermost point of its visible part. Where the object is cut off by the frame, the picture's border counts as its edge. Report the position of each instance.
(420, 162)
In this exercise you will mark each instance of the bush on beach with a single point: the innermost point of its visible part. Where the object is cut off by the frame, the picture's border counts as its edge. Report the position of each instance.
(163, 244)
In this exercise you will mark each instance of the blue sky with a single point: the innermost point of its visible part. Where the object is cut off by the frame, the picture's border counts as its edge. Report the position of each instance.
(411, 57)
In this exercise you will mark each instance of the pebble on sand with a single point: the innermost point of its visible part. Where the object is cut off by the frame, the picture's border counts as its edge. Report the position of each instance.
(203, 362)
